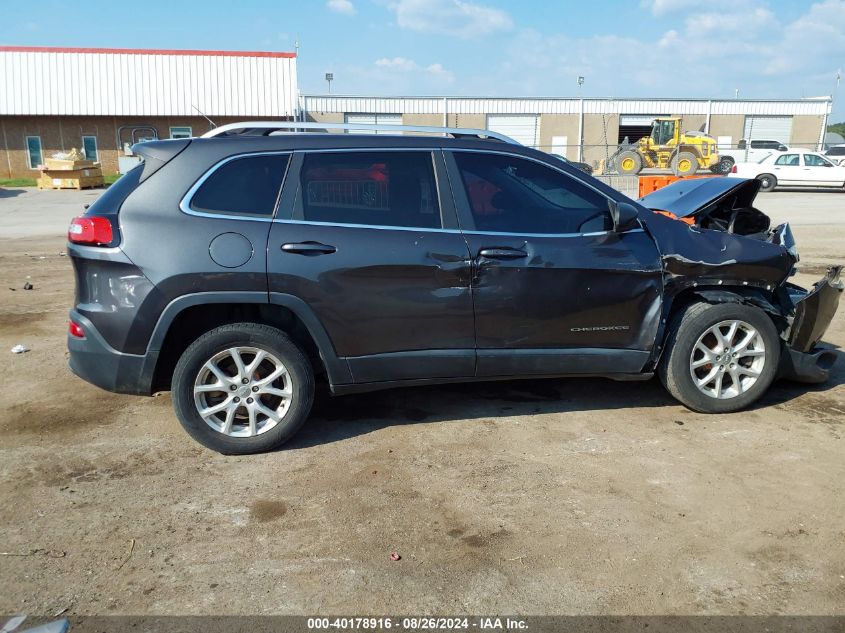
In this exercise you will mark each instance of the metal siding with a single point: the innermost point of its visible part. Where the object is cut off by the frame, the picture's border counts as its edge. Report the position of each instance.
(138, 84)
(479, 105)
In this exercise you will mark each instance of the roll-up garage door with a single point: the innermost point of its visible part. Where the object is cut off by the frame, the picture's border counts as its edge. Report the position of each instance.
(770, 128)
(635, 126)
(521, 128)
(372, 119)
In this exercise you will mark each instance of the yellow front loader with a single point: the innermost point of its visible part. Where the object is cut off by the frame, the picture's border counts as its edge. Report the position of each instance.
(667, 148)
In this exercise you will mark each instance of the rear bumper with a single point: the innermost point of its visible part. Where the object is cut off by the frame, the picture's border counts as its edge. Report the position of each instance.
(95, 361)
(802, 359)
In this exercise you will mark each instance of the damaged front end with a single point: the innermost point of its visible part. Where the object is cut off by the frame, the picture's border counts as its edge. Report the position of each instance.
(717, 247)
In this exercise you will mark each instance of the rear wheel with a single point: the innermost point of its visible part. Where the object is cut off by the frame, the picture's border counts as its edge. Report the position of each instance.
(767, 182)
(684, 164)
(629, 162)
(724, 165)
(243, 388)
(720, 358)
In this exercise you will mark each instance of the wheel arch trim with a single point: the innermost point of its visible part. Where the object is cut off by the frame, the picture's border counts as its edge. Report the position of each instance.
(336, 368)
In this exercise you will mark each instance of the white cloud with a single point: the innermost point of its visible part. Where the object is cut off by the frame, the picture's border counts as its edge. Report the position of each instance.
(459, 18)
(660, 8)
(397, 63)
(341, 6)
(405, 65)
(745, 46)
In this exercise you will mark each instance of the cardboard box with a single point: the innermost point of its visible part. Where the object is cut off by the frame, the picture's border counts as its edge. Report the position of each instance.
(66, 164)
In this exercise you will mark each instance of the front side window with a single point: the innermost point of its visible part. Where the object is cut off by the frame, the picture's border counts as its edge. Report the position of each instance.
(836, 151)
(371, 188)
(33, 151)
(244, 186)
(181, 132)
(89, 147)
(811, 160)
(508, 194)
(789, 160)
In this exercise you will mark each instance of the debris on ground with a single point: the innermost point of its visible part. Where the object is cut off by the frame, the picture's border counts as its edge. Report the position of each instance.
(128, 554)
(20, 349)
(394, 556)
(28, 286)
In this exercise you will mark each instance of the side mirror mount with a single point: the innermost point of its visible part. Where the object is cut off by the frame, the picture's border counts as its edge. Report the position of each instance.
(783, 148)
(624, 216)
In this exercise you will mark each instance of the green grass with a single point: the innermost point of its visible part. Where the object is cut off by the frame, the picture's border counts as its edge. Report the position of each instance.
(17, 182)
(30, 182)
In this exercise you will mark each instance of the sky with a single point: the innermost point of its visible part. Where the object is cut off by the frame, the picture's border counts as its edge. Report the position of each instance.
(633, 48)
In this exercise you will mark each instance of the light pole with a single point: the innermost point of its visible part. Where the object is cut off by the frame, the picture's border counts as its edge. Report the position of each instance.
(329, 78)
(580, 120)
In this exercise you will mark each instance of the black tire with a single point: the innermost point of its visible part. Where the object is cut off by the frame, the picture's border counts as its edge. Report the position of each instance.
(629, 162)
(767, 182)
(684, 164)
(253, 335)
(675, 370)
(724, 165)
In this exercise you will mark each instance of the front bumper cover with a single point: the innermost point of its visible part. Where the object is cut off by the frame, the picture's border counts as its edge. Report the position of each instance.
(802, 360)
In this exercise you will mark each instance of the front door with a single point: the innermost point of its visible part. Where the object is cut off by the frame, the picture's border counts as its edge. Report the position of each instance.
(555, 289)
(819, 171)
(368, 243)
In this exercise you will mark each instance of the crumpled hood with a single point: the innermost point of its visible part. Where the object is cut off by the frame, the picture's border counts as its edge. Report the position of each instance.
(691, 197)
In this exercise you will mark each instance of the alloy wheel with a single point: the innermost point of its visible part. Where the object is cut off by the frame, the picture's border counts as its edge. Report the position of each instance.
(727, 359)
(242, 391)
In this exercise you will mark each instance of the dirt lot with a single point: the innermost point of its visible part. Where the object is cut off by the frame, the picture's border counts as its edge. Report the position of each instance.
(541, 497)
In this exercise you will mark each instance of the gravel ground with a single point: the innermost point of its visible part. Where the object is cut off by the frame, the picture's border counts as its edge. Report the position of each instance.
(536, 497)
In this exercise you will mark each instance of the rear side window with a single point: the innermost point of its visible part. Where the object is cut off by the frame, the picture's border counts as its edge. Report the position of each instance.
(836, 151)
(243, 186)
(789, 160)
(371, 188)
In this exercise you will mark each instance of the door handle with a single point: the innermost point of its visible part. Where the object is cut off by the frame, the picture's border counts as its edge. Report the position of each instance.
(308, 248)
(502, 253)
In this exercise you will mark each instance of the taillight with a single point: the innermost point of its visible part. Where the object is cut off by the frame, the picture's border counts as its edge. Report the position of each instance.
(733, 169)
(75, 330)
(90, 230)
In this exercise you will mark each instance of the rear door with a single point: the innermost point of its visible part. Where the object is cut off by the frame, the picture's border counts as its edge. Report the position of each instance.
(788, 170)
(368, 242)
(555, 290)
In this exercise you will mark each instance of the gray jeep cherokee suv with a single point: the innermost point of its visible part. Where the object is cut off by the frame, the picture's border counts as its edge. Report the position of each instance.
(237, 269)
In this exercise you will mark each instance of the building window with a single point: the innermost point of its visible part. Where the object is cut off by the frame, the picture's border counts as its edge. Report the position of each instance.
(33, 151)
(89, 147)
(181, 132)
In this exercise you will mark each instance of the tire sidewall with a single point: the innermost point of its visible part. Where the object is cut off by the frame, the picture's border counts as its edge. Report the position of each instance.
(244, 335)
(691, 328)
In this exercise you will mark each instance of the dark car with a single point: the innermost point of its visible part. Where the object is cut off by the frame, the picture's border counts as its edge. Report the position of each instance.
(237, 270)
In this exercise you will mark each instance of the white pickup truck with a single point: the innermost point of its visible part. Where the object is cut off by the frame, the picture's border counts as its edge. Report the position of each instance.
(748, 152)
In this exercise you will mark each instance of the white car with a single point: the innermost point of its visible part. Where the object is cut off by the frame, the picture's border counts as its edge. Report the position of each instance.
(795, 168)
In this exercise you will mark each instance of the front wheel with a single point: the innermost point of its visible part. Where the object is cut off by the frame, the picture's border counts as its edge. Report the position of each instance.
(684, 164)
(767, 182)
(243, 388)
(720, 358)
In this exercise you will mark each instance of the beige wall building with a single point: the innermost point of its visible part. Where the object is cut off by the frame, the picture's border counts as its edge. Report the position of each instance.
(588, 129)
(101, 101)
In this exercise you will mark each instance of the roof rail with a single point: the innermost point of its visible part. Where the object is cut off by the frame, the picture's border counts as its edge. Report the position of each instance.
(266, 128)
